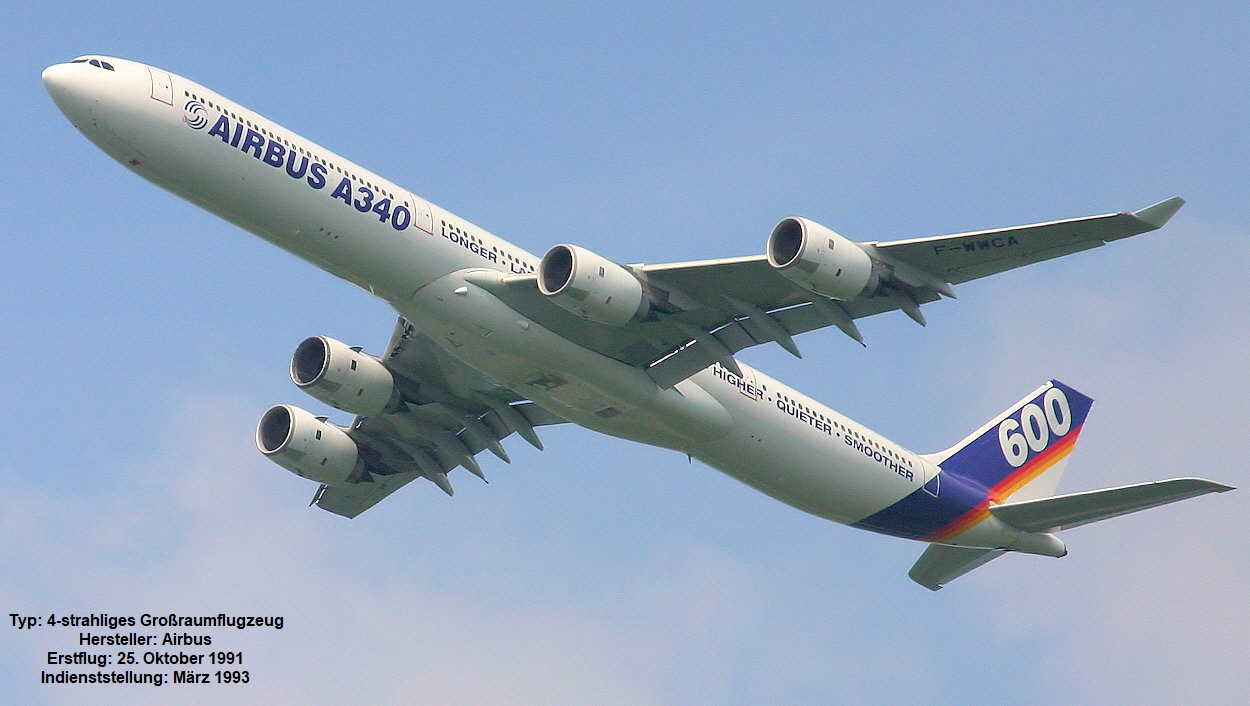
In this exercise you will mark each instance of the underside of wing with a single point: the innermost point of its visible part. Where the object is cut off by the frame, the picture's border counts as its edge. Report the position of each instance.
(445, 414)
(349, 500)
(967, 256)
(693, 314)
(703, 312)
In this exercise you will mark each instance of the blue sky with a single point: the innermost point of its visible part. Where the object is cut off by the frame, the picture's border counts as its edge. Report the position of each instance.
(146, 337)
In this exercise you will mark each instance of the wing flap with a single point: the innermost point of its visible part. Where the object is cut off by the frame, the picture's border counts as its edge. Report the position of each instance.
(450, 414)
(706, 307)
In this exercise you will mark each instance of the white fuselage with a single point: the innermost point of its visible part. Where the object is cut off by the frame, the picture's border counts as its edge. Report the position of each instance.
(424, 261)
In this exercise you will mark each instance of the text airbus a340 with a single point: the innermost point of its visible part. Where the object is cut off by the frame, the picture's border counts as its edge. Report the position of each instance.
(494, 341)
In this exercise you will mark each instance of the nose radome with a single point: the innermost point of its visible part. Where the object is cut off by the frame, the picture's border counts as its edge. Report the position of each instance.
(64, 84)
(56, 78)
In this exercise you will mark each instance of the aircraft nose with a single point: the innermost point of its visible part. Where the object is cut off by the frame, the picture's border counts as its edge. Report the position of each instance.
(58, 79)
(65, 84)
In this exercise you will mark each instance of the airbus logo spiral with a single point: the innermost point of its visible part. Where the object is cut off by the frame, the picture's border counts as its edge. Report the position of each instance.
(195, 115)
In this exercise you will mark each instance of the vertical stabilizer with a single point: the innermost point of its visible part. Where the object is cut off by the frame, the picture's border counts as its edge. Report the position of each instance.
(1018, 455)
(1022, 453)
(1003, 478)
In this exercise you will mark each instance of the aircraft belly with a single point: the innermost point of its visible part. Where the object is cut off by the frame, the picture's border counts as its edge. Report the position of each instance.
(793, 471)
(810, 467)
(337, 240)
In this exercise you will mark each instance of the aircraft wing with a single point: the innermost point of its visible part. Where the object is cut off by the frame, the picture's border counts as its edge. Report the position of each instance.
(349, 500)
(705, 311)
(457, 414)
(968, 256)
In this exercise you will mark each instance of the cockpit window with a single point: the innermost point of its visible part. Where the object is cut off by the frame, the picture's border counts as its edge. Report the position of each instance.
(94, 62)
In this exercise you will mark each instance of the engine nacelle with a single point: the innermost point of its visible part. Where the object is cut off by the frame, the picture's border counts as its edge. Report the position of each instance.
(343, 377)
(307, 446)
(819, 260)
(591, 286)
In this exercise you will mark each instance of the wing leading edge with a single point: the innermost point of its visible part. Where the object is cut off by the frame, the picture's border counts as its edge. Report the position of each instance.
(967, 256)
(702, 312)
(705, 311)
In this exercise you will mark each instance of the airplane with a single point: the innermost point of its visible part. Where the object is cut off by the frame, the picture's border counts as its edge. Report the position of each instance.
(492, 340)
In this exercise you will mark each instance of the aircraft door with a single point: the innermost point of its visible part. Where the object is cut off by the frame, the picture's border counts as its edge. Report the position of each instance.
(932, 477)
(746, 385)
(421, 216)
(162, 86)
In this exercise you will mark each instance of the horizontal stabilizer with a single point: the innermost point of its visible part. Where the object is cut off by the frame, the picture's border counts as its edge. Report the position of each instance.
(1067, 511)
(941, 563)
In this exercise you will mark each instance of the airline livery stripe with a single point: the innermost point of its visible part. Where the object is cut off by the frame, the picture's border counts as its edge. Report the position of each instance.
(1007, 486)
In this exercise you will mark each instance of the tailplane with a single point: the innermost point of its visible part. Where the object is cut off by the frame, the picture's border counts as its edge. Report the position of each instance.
(1016, 460)
(1067, 511)
(942, 563)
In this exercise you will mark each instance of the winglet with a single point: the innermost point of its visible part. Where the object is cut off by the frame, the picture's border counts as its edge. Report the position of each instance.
(1159, 214)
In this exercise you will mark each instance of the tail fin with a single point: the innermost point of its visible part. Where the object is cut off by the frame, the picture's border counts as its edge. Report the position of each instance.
(1021, 453)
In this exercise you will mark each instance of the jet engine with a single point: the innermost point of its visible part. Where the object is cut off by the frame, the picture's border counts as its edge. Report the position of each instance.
(819, 260)
(591, 286)
(343, 377)
(307, 446)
